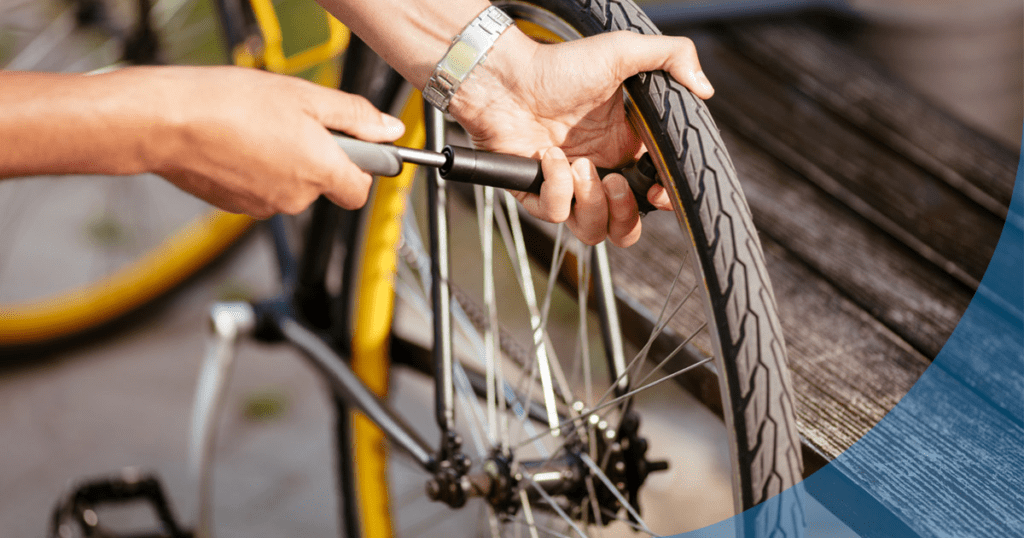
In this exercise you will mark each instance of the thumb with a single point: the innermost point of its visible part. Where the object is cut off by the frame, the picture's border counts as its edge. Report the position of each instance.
(636, 53)
(354, 115)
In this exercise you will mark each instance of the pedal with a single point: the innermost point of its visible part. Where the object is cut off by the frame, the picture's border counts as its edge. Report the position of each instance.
(83, 505)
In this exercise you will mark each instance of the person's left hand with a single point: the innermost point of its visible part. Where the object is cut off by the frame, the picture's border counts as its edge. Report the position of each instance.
(563, 103)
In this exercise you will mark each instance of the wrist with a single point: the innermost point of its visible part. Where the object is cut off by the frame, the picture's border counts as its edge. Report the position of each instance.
(498, 78)
(152, 114)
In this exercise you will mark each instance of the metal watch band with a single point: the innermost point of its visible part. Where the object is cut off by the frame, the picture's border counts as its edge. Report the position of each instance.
(468, 50)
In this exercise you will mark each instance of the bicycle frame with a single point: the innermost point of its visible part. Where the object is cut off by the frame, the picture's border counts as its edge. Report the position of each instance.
(306, 316)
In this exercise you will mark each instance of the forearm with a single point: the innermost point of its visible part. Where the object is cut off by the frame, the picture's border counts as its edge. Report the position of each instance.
(411, 35)
(62, 124)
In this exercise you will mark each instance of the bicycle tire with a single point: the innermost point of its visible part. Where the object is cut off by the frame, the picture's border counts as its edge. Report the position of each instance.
(749, 349)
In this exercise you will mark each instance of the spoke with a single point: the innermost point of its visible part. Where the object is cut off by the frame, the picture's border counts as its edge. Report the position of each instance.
(414, 243)
(586, 414)
(615, 491)
(673, 354)
(614, 349)
(554, 506)
(471, 406)
(528, 513)
(660, 328)
(557, 259)
(672, 287)
(485, 218)
(644, 351)
(492, 520)
(583, 279)
(510, 403)
(682, 345)
(522, 263)
(43, 44)
(617, 517)
(595, 505)
(546, 530)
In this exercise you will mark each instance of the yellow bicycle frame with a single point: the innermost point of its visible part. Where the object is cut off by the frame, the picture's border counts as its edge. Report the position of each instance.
(271, 56)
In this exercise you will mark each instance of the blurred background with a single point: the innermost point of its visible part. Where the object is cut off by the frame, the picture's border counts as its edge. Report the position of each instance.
(121, 396)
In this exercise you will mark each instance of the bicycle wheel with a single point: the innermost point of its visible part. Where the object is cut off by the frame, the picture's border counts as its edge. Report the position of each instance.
(711, 309)
(77, 252)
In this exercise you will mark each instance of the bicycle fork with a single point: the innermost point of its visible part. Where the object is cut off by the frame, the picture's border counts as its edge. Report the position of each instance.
(228, 322)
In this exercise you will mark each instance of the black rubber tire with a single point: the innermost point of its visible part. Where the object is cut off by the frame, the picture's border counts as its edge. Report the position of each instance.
(757, 392)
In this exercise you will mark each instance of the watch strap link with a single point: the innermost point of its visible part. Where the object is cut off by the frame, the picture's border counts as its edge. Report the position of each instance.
(468, 50)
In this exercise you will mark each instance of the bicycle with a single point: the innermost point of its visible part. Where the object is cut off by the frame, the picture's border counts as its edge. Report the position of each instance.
(595, 467)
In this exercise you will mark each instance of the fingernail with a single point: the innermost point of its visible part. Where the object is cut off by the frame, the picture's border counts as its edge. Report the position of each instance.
(584, 169)
(393, 125)
(703, 82)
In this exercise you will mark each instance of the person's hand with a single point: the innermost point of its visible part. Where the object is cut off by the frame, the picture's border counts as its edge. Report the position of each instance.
(256, 143)
(564, 103)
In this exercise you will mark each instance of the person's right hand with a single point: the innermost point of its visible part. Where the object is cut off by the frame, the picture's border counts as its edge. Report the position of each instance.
(257, 143)
(564, 102)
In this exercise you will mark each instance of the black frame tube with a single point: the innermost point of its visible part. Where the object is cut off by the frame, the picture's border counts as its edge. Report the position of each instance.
(347, 386)
(234, 22)
(440, 293)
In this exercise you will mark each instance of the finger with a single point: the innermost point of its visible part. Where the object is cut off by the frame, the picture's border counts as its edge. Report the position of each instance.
(353, 115)
(555, 201)
(636, 53)
(350, 188)
(658, 197)
(589, 221)
(623, 215)
(345, 185)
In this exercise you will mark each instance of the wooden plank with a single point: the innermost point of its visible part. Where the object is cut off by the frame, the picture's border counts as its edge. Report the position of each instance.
(895, 194)
(916, 300)
(858, 90)
(960, 459)
(848, 369)
(920, 303)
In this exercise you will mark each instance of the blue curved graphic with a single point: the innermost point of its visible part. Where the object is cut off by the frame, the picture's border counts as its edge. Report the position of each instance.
(949, 458)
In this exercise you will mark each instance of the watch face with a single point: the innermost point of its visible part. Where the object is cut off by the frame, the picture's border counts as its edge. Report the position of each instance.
(460, 59)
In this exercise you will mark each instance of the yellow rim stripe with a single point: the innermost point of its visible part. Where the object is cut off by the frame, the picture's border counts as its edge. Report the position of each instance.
(180, 255)
(538, 32)
(372, 326)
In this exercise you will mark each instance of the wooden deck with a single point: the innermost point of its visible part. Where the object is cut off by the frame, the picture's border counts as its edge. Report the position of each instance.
(879, 214)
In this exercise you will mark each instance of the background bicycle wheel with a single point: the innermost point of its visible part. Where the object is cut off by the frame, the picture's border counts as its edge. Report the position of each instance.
(79, 251)
(59, 234)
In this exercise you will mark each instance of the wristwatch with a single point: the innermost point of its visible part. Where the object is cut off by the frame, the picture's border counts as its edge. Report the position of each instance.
(468, 50)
